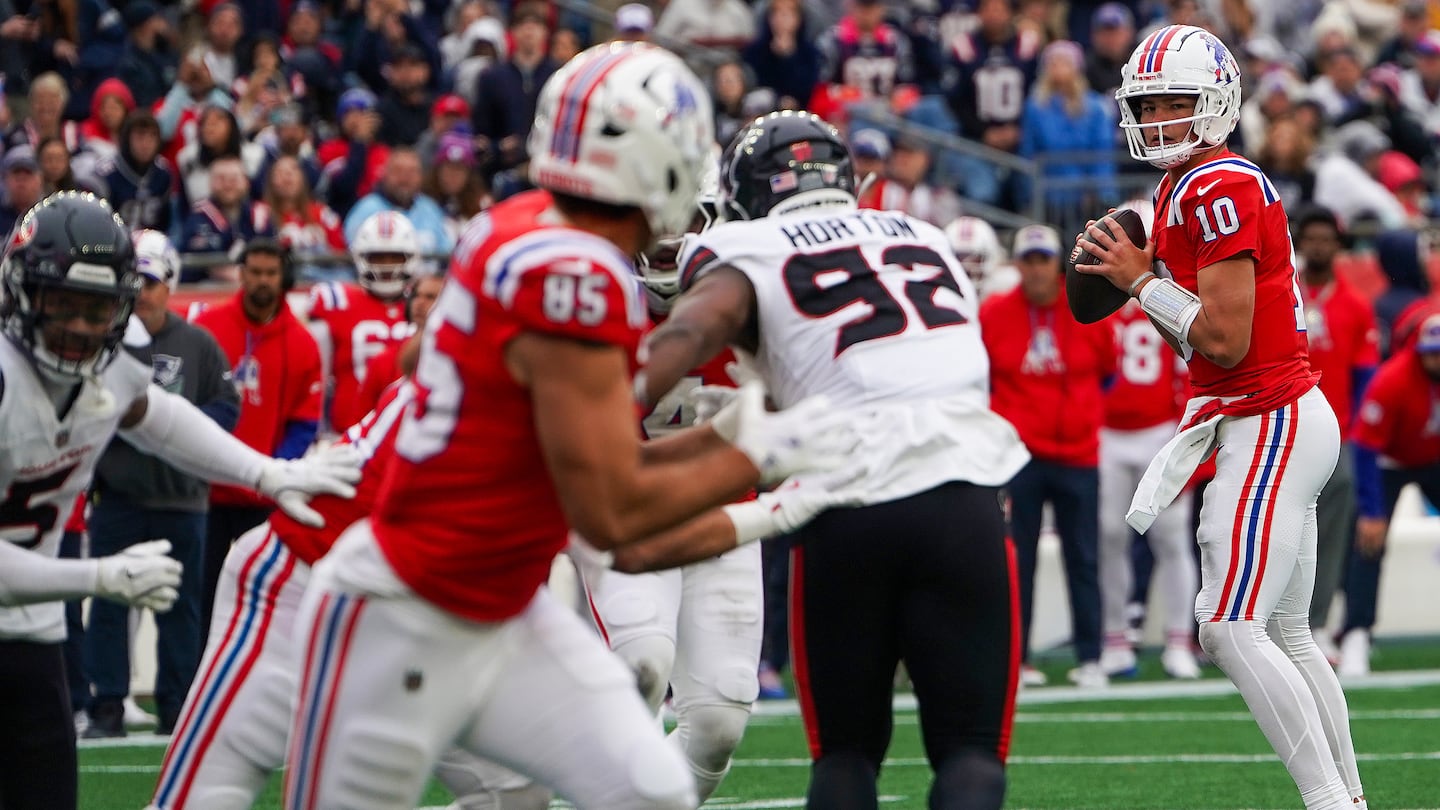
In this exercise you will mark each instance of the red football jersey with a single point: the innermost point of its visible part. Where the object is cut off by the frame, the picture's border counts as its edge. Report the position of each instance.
(1343, 337)
(1399, 416)
(1150, 385)
(1220, 210)
(672, 412)
(374, 437)
(361, 327)
(468, 515)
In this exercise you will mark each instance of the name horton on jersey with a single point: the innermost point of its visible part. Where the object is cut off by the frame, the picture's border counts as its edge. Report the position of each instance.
(814, 232)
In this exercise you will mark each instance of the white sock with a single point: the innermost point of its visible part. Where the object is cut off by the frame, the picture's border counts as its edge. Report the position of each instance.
(1292, 634)
(1282, 706)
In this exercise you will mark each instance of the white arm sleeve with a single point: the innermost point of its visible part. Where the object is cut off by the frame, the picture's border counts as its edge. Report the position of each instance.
(181, 434)
(28, 578)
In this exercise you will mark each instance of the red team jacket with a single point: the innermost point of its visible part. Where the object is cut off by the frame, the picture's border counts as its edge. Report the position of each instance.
(1399, 416)
(1342, 337)
(467, 515)
(1046, 373)
(361, 328)
(276, 369)
(1151, 385)
(1220, 210)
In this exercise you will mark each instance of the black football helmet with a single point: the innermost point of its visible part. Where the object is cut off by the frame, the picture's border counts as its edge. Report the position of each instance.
(783, 155)
(70, 257)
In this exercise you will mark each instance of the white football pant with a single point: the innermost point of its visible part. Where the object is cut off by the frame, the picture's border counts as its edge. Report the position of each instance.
(389, 683)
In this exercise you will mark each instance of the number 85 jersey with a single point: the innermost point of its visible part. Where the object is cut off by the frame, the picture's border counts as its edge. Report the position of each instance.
(860, 305)
(1223, 209)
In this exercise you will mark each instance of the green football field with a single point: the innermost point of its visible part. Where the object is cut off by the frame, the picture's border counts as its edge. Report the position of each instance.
(1145, 744)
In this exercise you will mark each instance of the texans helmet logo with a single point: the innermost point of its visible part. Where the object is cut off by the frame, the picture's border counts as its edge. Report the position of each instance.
(802, 150)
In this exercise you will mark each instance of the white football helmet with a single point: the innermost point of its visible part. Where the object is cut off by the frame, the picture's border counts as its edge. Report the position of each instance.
(386, 250)
(156, 256)
(977, 246)
(1180, 60)
(625, 123)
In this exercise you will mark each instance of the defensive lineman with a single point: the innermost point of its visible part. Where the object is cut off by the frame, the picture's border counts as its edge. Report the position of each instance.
(1230, 305)
(70, 286)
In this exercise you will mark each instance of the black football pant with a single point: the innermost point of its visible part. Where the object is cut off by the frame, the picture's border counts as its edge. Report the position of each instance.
(37, 746)
(930, 580)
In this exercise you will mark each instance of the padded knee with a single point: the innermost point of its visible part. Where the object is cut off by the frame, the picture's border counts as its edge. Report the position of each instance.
(968, 780)
(1224, 641)
(651, 657)
(712, 733)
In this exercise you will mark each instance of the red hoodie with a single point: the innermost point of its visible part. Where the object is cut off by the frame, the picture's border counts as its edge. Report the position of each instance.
(1049, 386)
(92, 129)
(277, 372)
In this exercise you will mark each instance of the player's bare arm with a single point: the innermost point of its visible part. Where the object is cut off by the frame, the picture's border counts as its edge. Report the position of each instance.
(718, 310)
(709, 535)
(585, 419)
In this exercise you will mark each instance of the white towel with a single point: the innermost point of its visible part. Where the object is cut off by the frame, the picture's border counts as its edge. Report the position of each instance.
(1171, 470)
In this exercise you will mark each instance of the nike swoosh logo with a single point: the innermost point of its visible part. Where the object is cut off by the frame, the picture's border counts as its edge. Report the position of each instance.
(1200, 191)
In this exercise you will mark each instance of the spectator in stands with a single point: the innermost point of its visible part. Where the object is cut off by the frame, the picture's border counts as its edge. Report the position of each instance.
(449, 113)
(40, 37)
(227, 219)
(455, 45)
(1403, 177)
(1284, 155)
(101, 26)
(1063, 115)
(782, 58)
(224, 28)
(276, 370)
(266, 83)
(1344, 350)
(57, 171)
(351, 163)
(48, 95)
(1420, 85)
(634, 22)
(453, 183)
(1345, 178)
(486, 45)
(305, 225)
(23, 187)
(565, 43)
(1401, 49)
(1397, 443)
(140, 498)
(904, 187)
(870, 150)
(405, 107)
(1274, 97)
(389, 28)
(1112, 38)
(728, 87)
(1046, 378)
(1404, 256)
(988, 79)
(1339, 88)
(194, 90)
(147, 65)
(399, 189)
(141, 181)
(316, 61)
(723, 25)
(865, 53)
(504, 106)
(1385, 109)
(288, 136)
(100, 133)
(218, 136)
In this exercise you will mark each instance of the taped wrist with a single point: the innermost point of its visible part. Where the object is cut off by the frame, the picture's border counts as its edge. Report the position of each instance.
(182, 435)
(1171, 305)
(752, 521)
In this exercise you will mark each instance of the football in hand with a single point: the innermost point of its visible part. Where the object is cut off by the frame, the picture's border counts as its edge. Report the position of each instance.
(1094, 298)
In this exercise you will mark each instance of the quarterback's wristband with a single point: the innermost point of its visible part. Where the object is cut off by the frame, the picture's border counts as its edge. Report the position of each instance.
(1140, 282)
(1171, 305)
(752, 521)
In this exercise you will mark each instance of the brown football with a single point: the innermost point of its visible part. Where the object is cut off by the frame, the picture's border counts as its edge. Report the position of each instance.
(1094, 298)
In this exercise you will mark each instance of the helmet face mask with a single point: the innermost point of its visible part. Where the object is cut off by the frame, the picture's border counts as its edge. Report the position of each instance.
(785, 160)
(70, 285)
(386, 251)
(977, 246)
(1179, 60)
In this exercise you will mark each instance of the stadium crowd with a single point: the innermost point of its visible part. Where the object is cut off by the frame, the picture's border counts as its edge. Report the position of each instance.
(247, 130)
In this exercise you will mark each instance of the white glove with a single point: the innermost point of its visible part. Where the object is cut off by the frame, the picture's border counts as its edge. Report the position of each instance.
(331, 470)
(804, 437)
(795, 503)
(141, 575)
(708, 401)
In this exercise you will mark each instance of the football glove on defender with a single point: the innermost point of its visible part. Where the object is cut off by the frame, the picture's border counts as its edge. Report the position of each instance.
(141, 575)
(329, 471)
(808, 436)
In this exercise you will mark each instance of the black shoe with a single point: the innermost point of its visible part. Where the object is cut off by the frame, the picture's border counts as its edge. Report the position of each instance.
(107, 719)
(166, 726)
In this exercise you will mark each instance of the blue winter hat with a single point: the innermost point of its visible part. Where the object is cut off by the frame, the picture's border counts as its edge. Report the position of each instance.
(356, 98)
